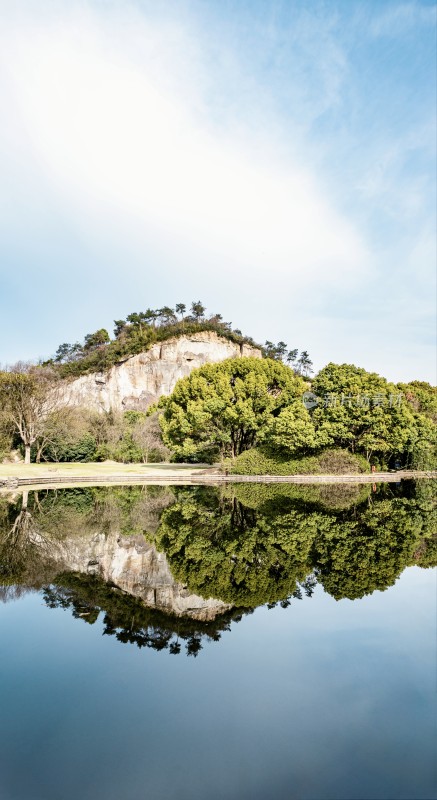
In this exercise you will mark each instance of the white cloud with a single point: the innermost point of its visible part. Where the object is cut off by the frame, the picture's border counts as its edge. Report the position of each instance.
(114, 111)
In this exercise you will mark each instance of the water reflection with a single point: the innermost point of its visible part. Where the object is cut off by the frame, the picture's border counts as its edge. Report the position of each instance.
(168, 567)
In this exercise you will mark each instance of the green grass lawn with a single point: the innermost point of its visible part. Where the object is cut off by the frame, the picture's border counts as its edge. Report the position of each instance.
(95, 469)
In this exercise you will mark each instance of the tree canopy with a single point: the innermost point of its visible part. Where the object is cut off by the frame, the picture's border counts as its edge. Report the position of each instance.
(248, 553)
(365, 413)
(223, 409)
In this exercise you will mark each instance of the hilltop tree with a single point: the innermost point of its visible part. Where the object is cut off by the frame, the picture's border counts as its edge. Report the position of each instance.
(292, 356)
(304, 364)
(139, 320)
(62, 352)
(68, 352)
(167, 316)
(226, 408)
(270, 350)
(181, 309)
(119, 327)
(197, 310)
(97, 339)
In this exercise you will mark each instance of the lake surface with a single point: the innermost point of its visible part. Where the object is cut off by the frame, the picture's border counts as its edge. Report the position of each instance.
(242, 642)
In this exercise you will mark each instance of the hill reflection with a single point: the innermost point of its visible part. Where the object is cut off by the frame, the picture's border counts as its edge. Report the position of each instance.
(169, 567)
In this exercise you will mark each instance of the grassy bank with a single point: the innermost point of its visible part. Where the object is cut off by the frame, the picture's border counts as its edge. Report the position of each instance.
(331, 462)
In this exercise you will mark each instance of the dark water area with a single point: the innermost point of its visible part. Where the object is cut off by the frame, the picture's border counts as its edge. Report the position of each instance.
(241, 642)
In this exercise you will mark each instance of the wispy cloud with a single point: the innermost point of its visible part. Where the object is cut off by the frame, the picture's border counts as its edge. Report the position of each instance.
(182, 151)
(115, 132)
(400, 19)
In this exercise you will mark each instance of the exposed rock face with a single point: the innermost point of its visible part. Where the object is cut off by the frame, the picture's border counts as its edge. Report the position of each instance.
(140, 380)
(136, 567)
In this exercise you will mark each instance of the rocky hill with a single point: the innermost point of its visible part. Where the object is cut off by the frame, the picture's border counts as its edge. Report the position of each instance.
(140, 380)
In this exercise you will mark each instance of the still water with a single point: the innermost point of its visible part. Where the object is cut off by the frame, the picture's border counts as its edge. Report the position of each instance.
(249, 642)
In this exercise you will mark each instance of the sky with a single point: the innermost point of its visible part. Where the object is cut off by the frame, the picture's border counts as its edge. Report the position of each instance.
(274, 159)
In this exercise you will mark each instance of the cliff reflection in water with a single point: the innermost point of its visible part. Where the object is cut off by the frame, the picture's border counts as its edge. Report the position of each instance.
(168, 567)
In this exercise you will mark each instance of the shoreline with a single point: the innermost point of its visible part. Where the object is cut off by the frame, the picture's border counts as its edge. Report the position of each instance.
(14, 476)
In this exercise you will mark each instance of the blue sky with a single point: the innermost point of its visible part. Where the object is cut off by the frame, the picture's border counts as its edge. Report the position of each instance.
(274, 159)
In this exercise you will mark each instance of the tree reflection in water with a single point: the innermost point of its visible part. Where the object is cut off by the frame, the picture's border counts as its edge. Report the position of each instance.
(128, 619)
(256, 544)
(245, 545)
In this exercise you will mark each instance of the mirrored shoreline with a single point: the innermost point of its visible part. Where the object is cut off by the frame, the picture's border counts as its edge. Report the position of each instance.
(167, 567)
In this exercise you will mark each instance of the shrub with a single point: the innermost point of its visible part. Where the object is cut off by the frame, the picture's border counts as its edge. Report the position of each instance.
(258, 461)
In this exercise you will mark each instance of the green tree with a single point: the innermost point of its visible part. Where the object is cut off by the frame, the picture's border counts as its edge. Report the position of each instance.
(421, 396)
(304, 365)
(197, 310)
(370, 550)
(138, 320)
(223, 549)
(361, 411)
(292, 356)
(421, 449)
(167, 316)
(292, 431)
(119, 327)
(276, 351)
(226, 408)
(68, 352)
(97, 339)
(259, 549)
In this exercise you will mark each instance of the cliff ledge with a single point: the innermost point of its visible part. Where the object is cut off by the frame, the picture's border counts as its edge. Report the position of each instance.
(140, 380)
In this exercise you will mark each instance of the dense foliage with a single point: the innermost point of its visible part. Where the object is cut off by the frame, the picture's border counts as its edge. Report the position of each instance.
(250, 553)
(366, 414)
(226, 408)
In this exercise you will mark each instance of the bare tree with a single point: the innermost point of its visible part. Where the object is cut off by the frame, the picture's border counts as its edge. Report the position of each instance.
(28, 552)
(29, 395)
(61, 425)
(147, 436)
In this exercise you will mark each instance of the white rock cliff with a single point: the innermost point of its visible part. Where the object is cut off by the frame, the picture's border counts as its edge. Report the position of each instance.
(135, 566)
(140, 380)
